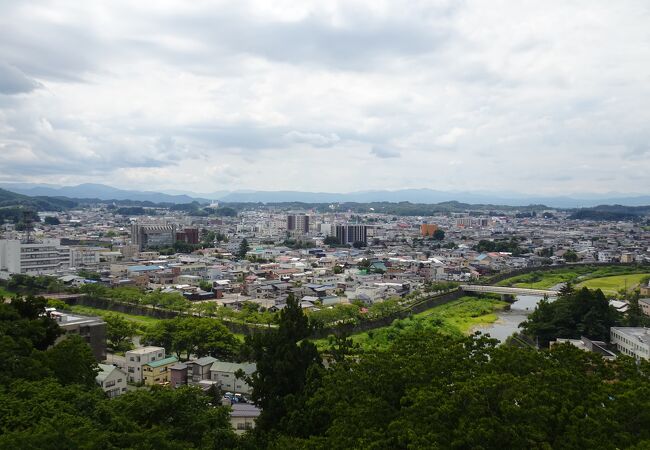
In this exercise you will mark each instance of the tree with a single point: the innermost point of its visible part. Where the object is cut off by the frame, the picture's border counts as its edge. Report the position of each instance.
(337, 270)
(52, 220)
(72, 361)
(570, 256)
(243, 248)
(358, 244)
(119, 331)
(331, 241)
(283, 359)
(439, 235)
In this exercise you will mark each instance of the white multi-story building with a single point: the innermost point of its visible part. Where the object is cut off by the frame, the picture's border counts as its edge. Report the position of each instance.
(135, 359)
(632, 341)
(33, 258)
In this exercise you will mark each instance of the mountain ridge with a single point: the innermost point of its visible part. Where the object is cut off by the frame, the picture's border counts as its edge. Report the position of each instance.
(423, 195)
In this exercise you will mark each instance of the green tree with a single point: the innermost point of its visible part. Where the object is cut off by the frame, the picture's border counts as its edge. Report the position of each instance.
(119, 332)
(243, 248)
(72, 361)
(283, 358)
(439, 235)
(52, 220)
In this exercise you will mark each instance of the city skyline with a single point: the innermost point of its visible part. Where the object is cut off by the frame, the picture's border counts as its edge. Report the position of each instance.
(336, 97)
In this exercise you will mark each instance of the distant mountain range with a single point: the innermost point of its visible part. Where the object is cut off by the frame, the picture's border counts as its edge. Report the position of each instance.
(427, 196)
(98, 191)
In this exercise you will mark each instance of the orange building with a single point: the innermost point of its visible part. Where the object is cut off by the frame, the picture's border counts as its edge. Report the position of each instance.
(427, 229)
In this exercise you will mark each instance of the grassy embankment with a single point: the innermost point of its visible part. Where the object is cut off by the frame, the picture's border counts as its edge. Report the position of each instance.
(142, 321)
(457, 317)
(5, 293)
(550, 278)
(612, 285)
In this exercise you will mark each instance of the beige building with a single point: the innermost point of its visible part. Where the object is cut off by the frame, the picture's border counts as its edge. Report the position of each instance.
(135, 359)
(157, 372)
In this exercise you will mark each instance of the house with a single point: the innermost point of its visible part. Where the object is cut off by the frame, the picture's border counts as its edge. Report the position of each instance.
(199, 369)
(224, 373)
(178, 375)
(242, 416)
(644, 303)
(111, 379)
(157, 372)
(135, 359)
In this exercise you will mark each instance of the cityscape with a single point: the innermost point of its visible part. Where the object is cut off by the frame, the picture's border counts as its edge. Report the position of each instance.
(324, 226)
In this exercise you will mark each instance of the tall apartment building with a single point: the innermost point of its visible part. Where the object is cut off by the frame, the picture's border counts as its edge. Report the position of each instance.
(631, 341)
(349, 234)
(188, 235)
(137, 358)
(427, 229)
(146, 236)
(33, 258)
(298, 223)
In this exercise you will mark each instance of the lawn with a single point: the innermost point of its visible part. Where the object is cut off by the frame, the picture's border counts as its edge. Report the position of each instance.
(457, 317)
(90, 311)
(141, 321)
(611, 285)
(5, 293)
(547, 279)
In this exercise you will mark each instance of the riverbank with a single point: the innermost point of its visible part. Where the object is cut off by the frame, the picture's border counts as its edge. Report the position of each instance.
(458, 317)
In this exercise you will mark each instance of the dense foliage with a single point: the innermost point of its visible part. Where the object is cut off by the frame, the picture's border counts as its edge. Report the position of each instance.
(48, 397)
(434, 391)
(193, 336)
(510, 246)
(575, 313)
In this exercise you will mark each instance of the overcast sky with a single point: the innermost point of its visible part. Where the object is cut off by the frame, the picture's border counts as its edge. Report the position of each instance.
(542, 97)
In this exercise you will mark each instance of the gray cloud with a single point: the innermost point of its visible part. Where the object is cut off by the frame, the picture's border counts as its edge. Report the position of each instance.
(165, 94)
(13, 81)
(383, 152)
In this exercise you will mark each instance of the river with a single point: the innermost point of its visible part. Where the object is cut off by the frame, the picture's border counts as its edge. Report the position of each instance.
(508, 321)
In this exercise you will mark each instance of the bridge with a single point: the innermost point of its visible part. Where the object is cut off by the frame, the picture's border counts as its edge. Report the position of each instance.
(506, 291)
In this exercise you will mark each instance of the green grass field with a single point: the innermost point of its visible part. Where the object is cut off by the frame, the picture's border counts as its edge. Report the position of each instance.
(90, 311)
(5, 293)
(141, 321)
(550, 278)
(457, 317)
(611, 285)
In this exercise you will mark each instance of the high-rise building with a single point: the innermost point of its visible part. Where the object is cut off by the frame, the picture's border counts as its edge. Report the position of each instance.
(188, 235)
(427, 229)
(349, 234)
(33, 258)
(146, 236)
(298, 223)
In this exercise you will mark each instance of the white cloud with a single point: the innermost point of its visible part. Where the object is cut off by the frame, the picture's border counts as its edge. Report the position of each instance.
(291, 95)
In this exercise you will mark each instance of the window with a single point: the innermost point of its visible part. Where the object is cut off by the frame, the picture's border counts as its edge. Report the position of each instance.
(130, 370)
(109, 383)
(119, 380)
(131, 358)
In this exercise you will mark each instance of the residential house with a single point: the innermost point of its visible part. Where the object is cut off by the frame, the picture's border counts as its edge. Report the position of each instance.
(224, 373)
(111, 379)
(199, 369)
(135, 359)
(242, 416)
(178, 375)
(157, 372)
